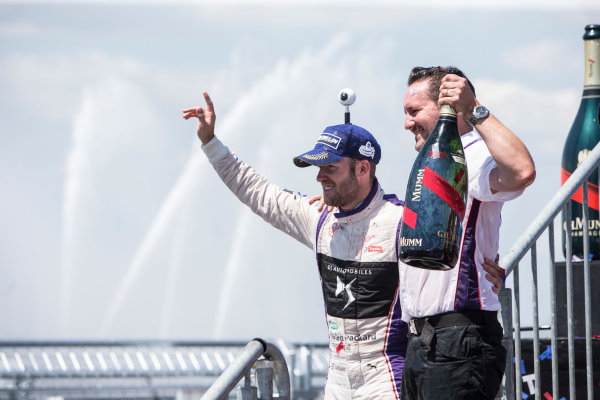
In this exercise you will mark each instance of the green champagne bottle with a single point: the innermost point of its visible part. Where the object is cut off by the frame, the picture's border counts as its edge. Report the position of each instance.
(582, 138)
(435, 199)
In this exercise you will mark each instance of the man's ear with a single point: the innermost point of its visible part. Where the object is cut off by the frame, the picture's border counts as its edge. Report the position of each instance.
(363, 167)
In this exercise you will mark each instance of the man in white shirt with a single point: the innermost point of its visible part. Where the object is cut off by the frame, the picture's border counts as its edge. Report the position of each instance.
(455, 349)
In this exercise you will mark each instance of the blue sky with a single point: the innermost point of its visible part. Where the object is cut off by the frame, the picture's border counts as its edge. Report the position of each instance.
(114, 225)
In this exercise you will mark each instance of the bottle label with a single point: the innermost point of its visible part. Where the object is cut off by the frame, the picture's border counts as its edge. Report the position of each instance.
(577, 227)
(444, 190)
(435, 152)
(445, 109)
(459, 158)
(592, 62)
(449, 238)
(416, 194)
(591, 92)
(412, 242)
(409, 217)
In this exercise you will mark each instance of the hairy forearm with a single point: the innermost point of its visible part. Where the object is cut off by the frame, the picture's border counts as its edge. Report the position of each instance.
(515, 168)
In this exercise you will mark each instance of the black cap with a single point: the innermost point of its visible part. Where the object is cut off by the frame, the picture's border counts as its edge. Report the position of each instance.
(592, 31)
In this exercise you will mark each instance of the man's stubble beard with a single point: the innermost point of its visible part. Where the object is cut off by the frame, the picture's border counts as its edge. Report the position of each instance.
(346, 192)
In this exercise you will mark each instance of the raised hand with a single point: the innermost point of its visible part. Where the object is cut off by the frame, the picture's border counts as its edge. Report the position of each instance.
(206, 119)
(456, 92)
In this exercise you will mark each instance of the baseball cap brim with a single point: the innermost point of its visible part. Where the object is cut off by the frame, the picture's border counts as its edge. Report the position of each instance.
(317, 157)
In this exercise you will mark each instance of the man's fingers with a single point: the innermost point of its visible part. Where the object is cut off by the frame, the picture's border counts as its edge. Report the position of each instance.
(209, 103)
(494, 264)
(495, 274)
(495, 281)
(318, 198)
(193, 112)
(189, 112)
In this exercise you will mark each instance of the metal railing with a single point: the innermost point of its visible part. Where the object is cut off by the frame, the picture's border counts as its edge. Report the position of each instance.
(153, 369)
(527, 242)
(265, 372)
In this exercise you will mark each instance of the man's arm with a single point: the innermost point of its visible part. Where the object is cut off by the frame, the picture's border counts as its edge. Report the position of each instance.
(285, 211)
(515, 169)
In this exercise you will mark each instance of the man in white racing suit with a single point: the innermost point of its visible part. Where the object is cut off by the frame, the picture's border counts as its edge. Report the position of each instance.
(355, 245)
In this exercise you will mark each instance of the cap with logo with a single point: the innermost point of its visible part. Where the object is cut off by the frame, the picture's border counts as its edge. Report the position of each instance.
(339, 141)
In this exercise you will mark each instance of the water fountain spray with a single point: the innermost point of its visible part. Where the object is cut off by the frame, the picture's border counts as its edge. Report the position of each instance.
(346, 97)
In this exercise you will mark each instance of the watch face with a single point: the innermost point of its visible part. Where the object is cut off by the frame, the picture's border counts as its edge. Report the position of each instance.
(480, 111)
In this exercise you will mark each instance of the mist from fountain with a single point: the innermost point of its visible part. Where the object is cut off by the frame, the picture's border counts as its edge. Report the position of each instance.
(273, 85)
(175, 260)
(75, 168)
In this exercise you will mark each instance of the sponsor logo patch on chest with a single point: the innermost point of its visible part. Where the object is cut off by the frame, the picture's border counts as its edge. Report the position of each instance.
(373, 249)
(334, 227)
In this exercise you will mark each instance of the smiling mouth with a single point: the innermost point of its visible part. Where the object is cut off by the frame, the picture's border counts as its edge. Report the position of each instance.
(417, 133)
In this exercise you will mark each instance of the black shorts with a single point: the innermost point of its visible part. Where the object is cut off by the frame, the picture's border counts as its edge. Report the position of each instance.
(455, 362)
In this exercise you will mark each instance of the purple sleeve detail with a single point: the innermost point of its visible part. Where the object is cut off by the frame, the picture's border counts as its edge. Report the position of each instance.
(467, 287)
(398, 238)
(473, 142)
(392, 198)
(397, 344)
(322, 219)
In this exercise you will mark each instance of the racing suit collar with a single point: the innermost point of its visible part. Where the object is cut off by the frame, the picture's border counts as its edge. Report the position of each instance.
(366, 202)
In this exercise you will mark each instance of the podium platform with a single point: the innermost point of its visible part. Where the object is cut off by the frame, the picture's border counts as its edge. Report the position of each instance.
(562, 352)
(578, 299)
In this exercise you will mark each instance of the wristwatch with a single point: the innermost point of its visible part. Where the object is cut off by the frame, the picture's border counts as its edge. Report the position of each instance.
(479, 113)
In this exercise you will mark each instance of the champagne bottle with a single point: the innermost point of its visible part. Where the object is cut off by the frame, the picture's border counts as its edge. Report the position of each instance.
(582, 138)
(435, 199)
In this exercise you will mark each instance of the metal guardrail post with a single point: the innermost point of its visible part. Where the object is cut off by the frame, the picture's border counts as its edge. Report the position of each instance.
(282, 375)
(264, 379)
(517, 334)
(248, 392)
(587, 294)
(536, 321)
(236, 370)
(553, 341)
(569, 288)
(505, 298)
(242, 365)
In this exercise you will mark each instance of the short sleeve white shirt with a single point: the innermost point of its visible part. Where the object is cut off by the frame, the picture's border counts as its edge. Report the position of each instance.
(427, 292)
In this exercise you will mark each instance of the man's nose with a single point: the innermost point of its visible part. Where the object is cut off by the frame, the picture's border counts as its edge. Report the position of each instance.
(321, 176)
(409, 123)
